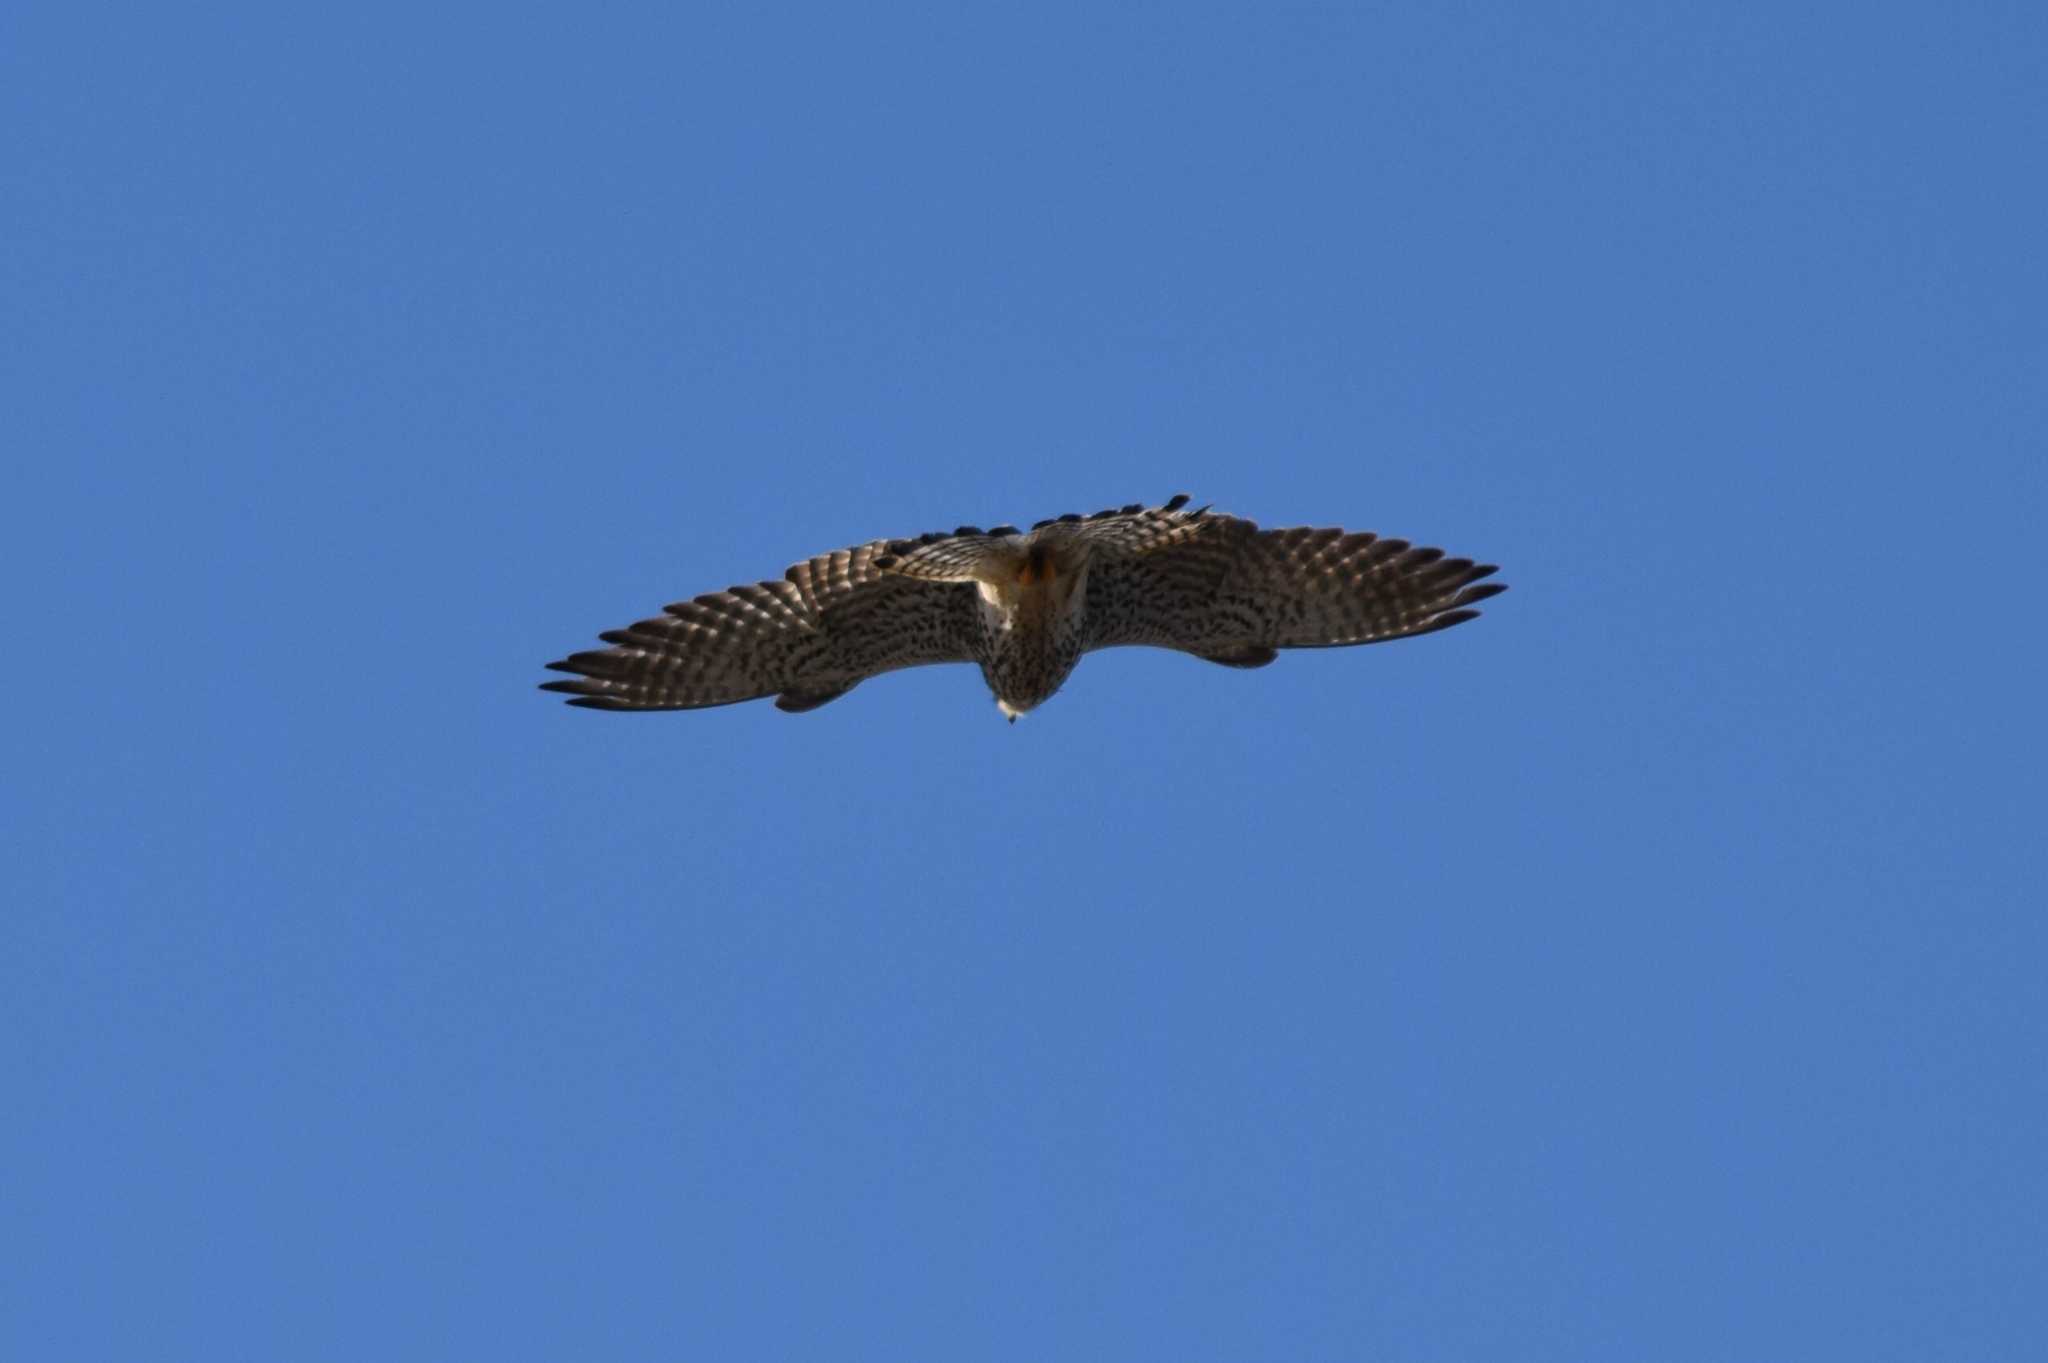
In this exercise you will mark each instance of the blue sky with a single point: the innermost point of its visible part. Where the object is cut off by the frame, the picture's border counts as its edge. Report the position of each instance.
(1651, 969)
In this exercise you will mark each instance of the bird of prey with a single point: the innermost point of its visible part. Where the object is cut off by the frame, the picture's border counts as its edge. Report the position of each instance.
(1025, 605)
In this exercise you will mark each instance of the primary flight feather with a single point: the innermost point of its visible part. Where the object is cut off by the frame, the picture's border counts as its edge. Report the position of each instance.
(1025, 605)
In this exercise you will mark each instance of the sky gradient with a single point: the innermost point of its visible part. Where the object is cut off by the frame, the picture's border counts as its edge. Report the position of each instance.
(1649, 969)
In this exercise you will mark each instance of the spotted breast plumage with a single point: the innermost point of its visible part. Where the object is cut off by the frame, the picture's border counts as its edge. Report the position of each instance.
(1025, 605)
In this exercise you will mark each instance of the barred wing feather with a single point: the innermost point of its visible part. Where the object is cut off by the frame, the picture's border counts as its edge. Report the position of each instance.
(806, 638)
(1233, 593)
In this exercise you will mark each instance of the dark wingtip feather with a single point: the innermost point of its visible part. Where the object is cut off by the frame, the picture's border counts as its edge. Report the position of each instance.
(1386, 549)
(1447, 619)
(1003, 530)
(1176, 501)
(611, 703)
(1479, 593)
(1419, 558)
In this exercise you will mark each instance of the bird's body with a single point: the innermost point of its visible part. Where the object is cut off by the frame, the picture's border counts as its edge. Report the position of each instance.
(1033, 619)
(1025, 606)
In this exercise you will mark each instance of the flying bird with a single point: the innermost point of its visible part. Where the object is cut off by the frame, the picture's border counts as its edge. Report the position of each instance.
(1025, 605)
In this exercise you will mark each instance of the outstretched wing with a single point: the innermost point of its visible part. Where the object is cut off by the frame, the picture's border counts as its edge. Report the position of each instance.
(807, 638)
(1133, 529)
(1225, 590)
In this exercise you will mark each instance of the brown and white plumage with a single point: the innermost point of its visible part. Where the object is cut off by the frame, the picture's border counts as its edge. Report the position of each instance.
(1026, 605)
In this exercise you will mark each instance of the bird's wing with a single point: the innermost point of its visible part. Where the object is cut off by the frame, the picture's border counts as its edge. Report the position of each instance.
(1221, 588)
(806, 638)
(1132, 529)
(971, 554)
(965, 555)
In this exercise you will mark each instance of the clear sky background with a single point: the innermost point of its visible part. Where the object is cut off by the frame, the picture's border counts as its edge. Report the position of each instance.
(1649, 970)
